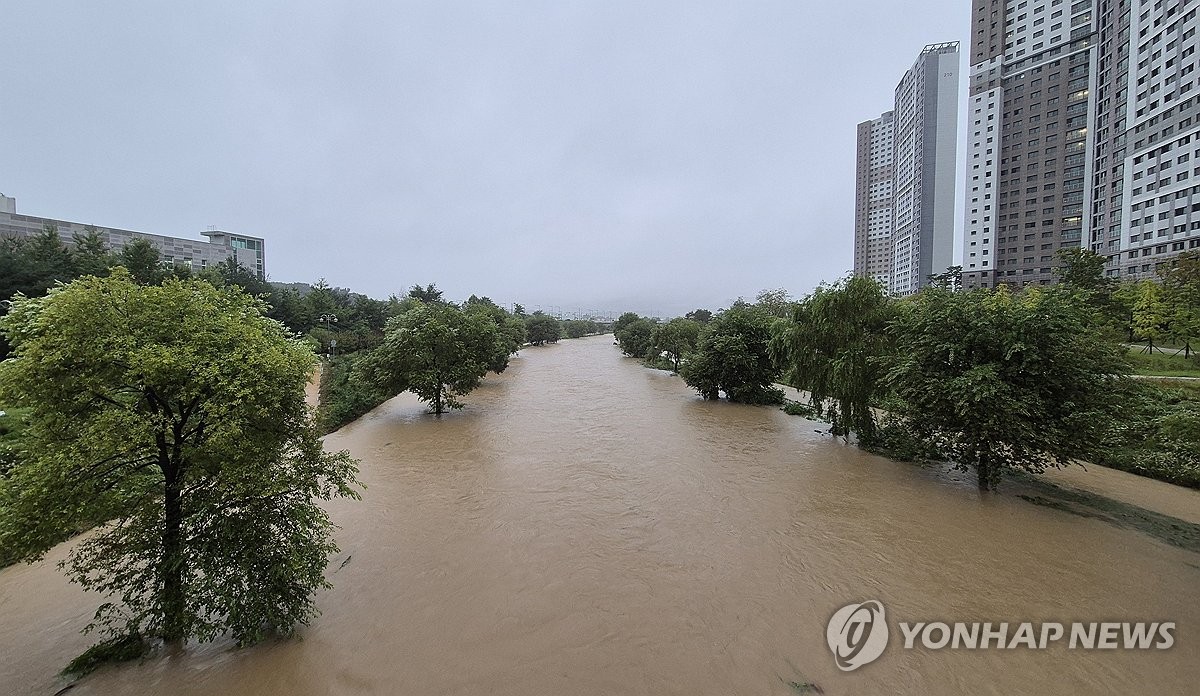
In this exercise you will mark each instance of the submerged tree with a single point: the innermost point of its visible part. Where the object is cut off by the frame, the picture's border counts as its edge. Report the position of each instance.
(733, 356)
(677, 338)
(435, 350)
(636, 337)
(833, 347)
(541, 329)
(1001, 381)
(177, 413)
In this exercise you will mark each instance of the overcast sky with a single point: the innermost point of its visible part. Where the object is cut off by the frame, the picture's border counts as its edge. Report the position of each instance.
(655, 156)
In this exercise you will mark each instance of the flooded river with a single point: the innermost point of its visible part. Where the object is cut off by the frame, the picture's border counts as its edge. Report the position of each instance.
(588, 526)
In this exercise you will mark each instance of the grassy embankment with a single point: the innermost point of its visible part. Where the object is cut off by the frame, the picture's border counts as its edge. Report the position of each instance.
(1163, 364)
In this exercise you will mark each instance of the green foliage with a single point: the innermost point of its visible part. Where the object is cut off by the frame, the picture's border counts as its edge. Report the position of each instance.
(509, 335)
(122, 648)
(435, 350)
(733, 357)
(143, 262)
(623, 320)
(995, 380)
(702, 316)
(541, 329)
(795, 408)
(578, 328)
(775, 303)
(1149, 312)
(1181, 291)
(1155, 432)
(1081, 269)
(429, 293)
(344, 395)
(1162, 363)
(636, 338)
(91, 253)
(177, 412)
(677, 338)
(950, 279)
(834, 346)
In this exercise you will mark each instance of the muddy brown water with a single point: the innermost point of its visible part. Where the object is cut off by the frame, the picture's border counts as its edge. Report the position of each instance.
(587, 526)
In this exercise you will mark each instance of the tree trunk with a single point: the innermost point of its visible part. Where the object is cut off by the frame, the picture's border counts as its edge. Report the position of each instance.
(437, 401)
(984, 469)
(173, 604)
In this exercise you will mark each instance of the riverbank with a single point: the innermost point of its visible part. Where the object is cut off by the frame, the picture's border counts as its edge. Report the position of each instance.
(1117, 497)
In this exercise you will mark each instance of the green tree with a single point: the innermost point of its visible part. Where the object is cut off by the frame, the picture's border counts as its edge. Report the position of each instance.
(48, 258)
(541, 329)
(1149, 313)
(636, 338)
(176, 411)
(143, 262)
(677, 338)
(1181, 296)
(623, 320)
(950, 279)
(434, 350)
(578, 328)
(1081, 268)
(833, 347)
(92, 255)
(734, 356)
(702, 316)
(508, 337)
(775, 303)
(1000, 381)
(429, 293)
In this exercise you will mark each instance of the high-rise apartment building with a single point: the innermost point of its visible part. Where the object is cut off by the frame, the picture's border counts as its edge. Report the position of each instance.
(873, 201)
(1082, 132)
(904, 208)
(1147, 156)
(245, 250)
(925, 143)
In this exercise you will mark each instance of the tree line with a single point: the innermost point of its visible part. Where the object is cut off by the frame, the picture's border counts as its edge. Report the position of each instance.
(991, 379)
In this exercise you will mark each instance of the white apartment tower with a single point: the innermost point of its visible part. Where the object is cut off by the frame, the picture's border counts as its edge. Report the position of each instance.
(904, 209)
(926, 155)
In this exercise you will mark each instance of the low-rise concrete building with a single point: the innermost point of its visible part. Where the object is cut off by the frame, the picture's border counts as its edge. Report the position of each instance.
(245, 250)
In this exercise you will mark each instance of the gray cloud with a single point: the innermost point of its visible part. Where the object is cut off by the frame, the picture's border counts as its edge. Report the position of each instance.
(655, 156)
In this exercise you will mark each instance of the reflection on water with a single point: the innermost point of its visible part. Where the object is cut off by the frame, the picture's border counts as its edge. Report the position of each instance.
(587, 526)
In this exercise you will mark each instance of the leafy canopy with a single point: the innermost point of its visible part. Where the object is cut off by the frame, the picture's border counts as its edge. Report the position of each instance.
(435, 350)
(177, 412)
(834, 346)
(733, 357)
(999, 381)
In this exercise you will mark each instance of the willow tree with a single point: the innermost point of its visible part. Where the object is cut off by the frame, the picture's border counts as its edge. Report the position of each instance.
(833, 346)
(175, 415)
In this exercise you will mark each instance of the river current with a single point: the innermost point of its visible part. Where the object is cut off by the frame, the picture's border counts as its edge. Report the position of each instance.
(589, 526)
